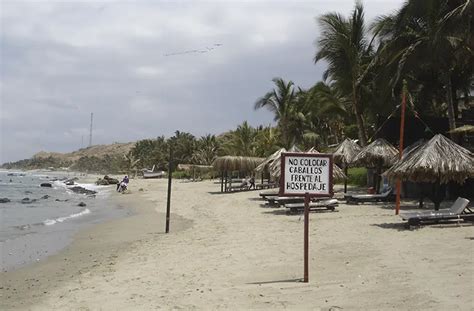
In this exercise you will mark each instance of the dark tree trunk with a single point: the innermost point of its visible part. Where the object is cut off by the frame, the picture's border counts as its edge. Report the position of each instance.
(449, 100)
(359, 119)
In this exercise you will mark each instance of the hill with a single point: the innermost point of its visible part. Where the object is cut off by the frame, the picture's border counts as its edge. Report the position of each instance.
(98, 158)
(99, 151)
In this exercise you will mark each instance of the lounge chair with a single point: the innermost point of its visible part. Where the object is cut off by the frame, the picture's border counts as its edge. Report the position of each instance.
(241, 187)
(386, 196)
(269, 193)
(459, 210)
(278, 201)
(266, 185)
(328, 204)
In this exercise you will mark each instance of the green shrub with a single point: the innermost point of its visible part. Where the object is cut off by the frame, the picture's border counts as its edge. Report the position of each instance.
(181, 174)
(357, 176)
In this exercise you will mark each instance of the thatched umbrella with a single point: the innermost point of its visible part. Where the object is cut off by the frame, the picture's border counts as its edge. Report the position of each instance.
(275, 167)
(438, 161)
(265, 165)
(269, 160)
(344, 154)
(380, 153)
(235, 163)
(337, 173)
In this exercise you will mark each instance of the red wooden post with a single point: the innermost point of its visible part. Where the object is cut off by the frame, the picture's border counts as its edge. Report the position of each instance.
(400, 147)
(306, 237)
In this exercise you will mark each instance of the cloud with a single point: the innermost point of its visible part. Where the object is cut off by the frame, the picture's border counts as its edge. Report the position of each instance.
(63, 60)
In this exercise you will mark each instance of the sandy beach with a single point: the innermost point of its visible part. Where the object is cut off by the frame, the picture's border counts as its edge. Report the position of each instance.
(228, 251)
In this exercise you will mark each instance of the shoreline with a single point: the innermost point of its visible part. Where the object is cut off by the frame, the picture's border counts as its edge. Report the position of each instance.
(55, 215)
(93, 249)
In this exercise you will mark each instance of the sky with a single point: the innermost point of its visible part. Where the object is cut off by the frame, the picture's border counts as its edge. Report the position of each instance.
(149, 68)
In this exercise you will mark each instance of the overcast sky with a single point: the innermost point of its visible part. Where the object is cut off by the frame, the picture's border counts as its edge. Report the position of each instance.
(148, 68)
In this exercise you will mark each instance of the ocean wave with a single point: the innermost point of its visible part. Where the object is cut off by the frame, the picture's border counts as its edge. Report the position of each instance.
(49, 222)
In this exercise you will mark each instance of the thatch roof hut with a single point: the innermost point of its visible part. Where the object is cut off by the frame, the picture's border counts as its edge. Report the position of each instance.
(337, 173)
(439, 160)
(227, 164)
(346, 152)
(379, 152)
(269, 160)
(236, 163)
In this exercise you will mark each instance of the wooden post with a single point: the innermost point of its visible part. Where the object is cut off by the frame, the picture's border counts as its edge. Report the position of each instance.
(400, 147)
(168, 201)
(306, 238)
(345, 180)
(222, 181)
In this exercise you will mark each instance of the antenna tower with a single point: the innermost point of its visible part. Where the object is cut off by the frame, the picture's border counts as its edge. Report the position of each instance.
(90, 130)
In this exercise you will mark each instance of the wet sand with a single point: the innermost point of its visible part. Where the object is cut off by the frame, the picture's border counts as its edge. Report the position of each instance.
(228, 251)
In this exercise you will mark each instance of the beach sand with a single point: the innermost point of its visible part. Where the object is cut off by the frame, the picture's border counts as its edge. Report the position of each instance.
(227, 251)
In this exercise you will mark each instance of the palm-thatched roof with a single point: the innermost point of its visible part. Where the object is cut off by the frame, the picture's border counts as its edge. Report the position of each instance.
(236, 163)
(294, 149)
(346, 152)
(379, 152)
(269, 160)
(440, 159)
(337, 173)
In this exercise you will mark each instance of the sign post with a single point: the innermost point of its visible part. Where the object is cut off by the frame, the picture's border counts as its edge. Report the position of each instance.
(308, 175)
(168, 199)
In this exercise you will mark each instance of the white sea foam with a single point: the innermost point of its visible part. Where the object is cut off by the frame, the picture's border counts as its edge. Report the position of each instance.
(49, 222)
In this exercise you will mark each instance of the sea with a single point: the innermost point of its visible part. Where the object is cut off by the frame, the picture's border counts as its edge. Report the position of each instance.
(37, 222)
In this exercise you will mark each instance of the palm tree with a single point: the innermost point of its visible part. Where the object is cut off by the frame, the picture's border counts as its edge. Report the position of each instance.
(206, 150)
(266, 141)
(240, 142)
(325, 111)
(281, 101)
(430, 43)
(130, 163)
(344, 46)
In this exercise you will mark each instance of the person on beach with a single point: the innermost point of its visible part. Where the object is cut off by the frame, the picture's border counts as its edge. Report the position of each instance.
(252, 183)
(122, 186)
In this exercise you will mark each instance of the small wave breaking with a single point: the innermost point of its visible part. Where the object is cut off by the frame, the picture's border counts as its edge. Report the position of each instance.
(50, 222)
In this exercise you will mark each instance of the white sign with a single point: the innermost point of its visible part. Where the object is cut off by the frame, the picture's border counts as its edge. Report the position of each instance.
(306, 173)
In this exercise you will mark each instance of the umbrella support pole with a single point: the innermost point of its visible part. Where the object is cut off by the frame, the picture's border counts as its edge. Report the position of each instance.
(345, 179)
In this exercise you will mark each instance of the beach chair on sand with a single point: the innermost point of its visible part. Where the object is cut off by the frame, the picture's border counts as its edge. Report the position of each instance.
(459, 210)
(269, 193)
(329, 204)
(386, 196)
(265, 185)
(278, 201)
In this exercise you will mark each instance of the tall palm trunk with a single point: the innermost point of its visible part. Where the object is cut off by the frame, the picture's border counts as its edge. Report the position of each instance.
(359, 119)
(449, 100)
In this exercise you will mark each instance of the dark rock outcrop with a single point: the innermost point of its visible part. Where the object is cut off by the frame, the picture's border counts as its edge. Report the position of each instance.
(82, 204)
(82, 190)
(107, 181)
(28, 200)
(4, 200)
(44, 197)
(47, 185)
